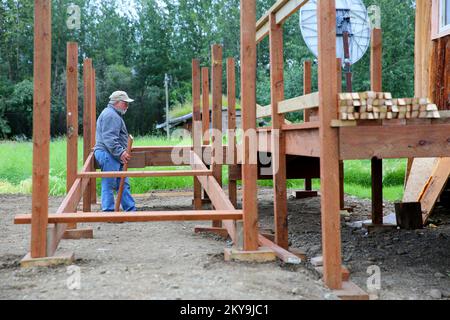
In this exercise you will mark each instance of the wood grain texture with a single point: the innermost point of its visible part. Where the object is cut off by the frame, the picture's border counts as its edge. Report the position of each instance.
(248, 101)
(278, 137)
(41, 125)
(329, 153)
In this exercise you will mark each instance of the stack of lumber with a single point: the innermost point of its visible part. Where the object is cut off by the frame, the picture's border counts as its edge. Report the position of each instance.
(380, 105)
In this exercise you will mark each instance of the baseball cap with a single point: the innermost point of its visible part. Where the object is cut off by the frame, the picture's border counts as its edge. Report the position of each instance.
(120, 96)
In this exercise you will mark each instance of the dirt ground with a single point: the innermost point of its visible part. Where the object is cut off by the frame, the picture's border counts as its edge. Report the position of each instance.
(169, 261)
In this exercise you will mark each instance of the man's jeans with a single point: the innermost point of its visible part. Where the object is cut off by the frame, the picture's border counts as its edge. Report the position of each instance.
(109, 164)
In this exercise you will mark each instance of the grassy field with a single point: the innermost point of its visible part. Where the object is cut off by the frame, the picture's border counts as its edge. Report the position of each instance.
(16, 165)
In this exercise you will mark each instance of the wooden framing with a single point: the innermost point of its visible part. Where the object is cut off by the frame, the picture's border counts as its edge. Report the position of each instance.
(93, 121)
(41, 126)
(307, 89)
(319, 139)
(87, 127)
(196, 127)
(278, 138)
(231, 94)
(282, 10)
(72, 115)
(216, 87)
(154, 216)
(206, 118)
(376, 77)
(248, 101)
(329, 140)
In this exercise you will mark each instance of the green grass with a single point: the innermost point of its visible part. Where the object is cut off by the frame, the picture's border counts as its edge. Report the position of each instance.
(180, 110)
(16, 165)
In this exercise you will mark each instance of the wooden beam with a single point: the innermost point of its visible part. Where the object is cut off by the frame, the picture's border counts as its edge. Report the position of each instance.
(41, 125)
(217, 136)
(309, 101)
(282, 10)
(72, 115)
(310, 146)
(87, 119)
(283, 254)
(231, 94)
(197, 127)
(114, 217)
(376, 77)
(383, 142)
(341, 163)
(206, 117)
(278, 137)
(93, 130)
(301, 126)
(217, 110)
(331, 235)
(248, 93)
(146, 174)
(307, 89)
(215, 192)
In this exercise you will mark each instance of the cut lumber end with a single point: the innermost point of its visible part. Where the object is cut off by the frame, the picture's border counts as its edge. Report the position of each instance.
(79, 234)
(262, 255)
(60, 259)
(351, 291)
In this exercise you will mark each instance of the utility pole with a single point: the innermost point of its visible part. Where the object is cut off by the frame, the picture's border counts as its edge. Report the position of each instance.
(166, 83)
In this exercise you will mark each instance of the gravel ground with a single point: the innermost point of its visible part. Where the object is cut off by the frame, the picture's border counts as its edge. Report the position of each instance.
(169, 261)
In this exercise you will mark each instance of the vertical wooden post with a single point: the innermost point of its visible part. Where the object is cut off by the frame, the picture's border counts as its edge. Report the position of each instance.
(72, 113)
(205, 106)
(307, 89)
(341, 163)
(87, 115)
(196, 128)
(248, 100)
(93, 131)
(72, 117)
(216, 85)
(231, 94)
(41, 126)
(329, 151)
(206, 116)
(278, 139)
(376, 70)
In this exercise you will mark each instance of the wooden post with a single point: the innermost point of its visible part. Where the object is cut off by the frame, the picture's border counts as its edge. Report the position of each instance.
(206, 115)
(41, 126)
(341, 163)
(196, 134)
(278, 138)
(248, 100)
(205, 106)
(93, 130)
(307, 89)
(122, 181)
(72, 116)
(329, 151)
(216, 85)
(87, 115)
(231, 94)
(376, 77)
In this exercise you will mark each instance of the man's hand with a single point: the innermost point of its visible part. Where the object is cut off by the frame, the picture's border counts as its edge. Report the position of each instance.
(125, 157)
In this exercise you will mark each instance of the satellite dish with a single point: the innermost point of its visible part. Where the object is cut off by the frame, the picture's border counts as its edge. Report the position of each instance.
(351, 17)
